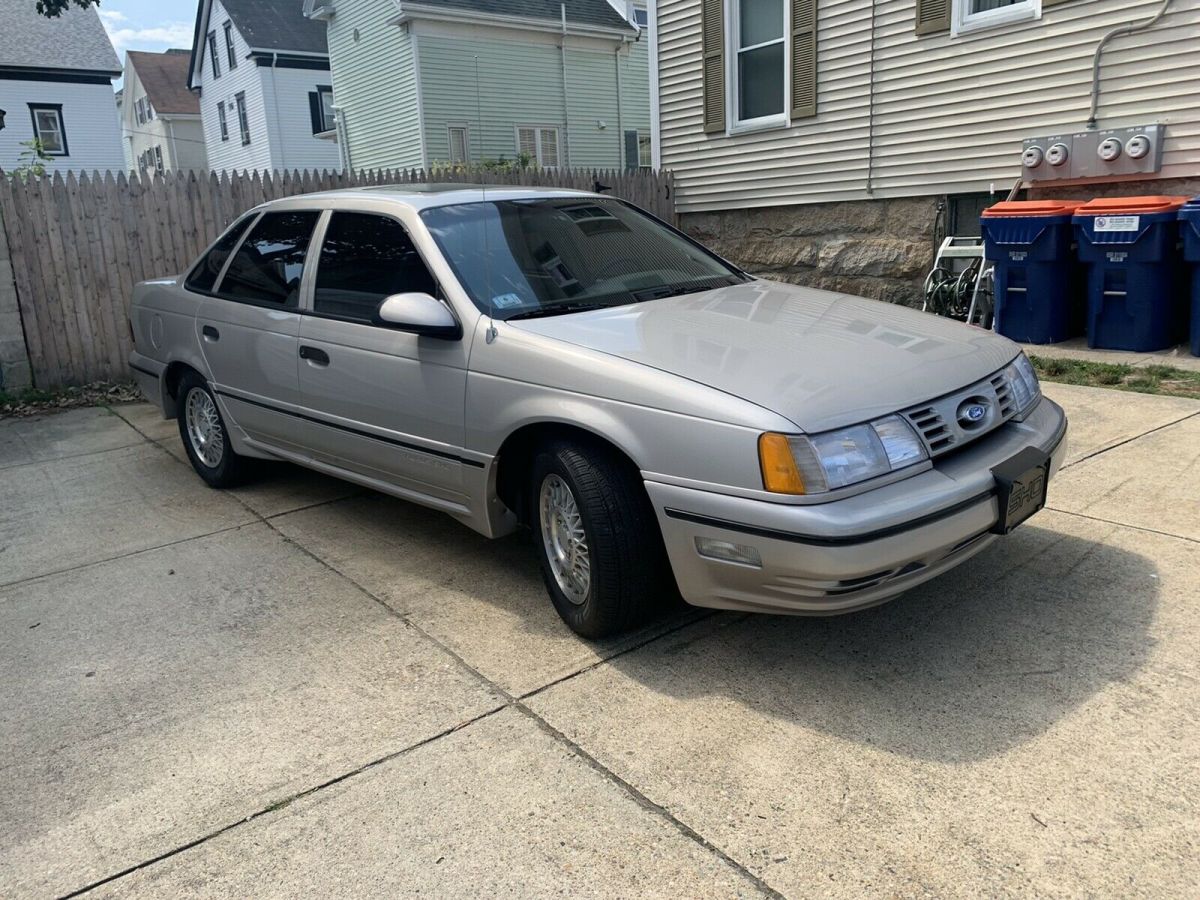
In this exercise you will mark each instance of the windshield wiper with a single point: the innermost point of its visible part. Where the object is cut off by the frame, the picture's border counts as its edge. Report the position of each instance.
(556, 309)
(668, 290)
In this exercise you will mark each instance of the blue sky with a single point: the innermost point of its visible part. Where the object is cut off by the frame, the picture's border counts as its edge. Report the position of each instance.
(153, 25)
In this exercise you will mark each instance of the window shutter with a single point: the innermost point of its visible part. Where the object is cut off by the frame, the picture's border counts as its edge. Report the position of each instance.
(631, 150)
(314, 110)
(713, 41)
(933, 16)
(804, 58)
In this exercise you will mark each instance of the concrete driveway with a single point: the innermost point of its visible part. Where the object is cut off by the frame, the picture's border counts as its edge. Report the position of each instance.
(302, 688)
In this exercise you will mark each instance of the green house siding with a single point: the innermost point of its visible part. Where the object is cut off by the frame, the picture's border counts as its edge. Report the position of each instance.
(374, 83)
(521, 83)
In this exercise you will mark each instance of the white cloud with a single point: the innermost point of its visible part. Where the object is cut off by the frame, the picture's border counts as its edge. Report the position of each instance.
(160, 37)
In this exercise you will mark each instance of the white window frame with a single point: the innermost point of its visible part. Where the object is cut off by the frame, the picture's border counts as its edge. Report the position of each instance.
(646, 158)
(733, 124)
(56, 110)
(963, 21)
(328, 123)
(223, 120)
(633, 14)
(451, 127)
(243, 117)
(537, 142)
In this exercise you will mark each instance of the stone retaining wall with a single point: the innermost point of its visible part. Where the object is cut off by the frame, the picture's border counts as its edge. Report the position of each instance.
(873, 248)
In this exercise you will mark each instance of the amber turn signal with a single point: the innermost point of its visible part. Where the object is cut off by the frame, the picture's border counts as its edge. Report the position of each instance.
(779, 472)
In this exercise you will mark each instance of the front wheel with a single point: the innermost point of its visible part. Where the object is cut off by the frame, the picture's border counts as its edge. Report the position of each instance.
(598, 541)
(205, 437)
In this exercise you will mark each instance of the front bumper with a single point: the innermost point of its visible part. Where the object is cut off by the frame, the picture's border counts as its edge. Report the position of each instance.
(849, 554)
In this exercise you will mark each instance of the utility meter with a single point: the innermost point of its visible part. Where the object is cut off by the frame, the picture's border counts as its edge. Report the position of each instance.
(1109, 150)
(1057, 154)
(1137, 147)
(1032, 157)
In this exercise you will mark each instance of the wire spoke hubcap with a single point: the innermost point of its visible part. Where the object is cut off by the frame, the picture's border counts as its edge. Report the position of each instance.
(564, 539)
(204, 427)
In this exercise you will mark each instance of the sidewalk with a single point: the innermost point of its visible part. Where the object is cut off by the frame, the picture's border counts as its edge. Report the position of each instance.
(1077, 348)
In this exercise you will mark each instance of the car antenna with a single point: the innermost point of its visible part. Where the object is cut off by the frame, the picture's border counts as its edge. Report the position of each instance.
(490, 334)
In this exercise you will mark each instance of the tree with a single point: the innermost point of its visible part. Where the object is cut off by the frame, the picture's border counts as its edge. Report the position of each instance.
(52, 9)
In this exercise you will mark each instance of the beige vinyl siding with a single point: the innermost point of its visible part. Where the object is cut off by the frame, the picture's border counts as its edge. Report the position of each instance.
(949, 113)
(375, 85)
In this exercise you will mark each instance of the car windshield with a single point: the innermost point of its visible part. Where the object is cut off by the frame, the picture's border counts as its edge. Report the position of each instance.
(526, 258)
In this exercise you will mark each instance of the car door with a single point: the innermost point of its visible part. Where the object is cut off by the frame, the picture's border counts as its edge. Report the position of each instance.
(377, 401)
(248, 327)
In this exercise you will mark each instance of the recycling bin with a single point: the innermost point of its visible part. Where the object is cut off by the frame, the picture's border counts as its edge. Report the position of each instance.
(1031, 244)
(1189, 226)
(1135, 290)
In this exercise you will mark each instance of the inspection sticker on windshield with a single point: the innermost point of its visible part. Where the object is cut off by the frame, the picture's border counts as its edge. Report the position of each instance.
(506, 301)
(1117, 223)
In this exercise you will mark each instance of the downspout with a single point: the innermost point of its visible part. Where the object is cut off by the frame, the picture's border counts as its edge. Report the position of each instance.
(871, 107)
(620, 126)
(275, 94)
(566, 111)
(1129, 28)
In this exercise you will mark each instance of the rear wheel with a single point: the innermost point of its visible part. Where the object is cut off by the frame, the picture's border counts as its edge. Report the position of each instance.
(598, 541)
(204, 435)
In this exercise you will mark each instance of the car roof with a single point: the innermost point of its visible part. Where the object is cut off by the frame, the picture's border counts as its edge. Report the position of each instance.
(423, 196)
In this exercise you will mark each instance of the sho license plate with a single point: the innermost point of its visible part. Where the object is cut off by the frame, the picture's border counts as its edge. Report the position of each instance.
(1020, 487)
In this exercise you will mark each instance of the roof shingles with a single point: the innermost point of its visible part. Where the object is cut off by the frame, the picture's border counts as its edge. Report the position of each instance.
(76, 40)
(164, 77)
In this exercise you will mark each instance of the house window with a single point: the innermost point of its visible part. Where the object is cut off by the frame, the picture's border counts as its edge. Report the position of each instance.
(326, 97)
(460, 145)
(149, 110)
(243, 121)
(48, 128)
(972, 15)
(224, 122)
(645, 158)
(641, 18)
(539, 143)
(229, 54)
(212, 54)
(758, 71)
(158, 163)
(139, 112)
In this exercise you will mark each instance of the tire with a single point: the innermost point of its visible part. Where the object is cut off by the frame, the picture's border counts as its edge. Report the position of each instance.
(215, 462)
(628, 574)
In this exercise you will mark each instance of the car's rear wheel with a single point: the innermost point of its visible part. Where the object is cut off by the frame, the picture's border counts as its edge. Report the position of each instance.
(597, 539)
(204, 435)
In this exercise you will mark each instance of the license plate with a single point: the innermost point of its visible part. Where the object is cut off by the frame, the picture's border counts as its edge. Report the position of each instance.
(1020, 487)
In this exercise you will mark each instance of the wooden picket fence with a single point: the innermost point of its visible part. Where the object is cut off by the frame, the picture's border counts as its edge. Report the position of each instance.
(79, 245)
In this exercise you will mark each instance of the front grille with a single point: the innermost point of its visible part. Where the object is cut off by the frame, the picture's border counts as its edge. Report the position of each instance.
(932, 428)
(938, 424)
(1003, 395)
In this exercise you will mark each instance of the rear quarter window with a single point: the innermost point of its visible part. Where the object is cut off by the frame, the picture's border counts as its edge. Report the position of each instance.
(204, 275)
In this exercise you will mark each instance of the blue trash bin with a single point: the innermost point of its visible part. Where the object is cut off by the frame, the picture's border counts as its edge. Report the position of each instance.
(1135, 289)
(1031, 244)
(1189, 225)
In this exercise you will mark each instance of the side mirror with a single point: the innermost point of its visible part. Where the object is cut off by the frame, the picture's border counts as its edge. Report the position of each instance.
(419, 314)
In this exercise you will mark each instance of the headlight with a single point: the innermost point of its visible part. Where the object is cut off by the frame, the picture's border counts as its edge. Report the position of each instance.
(813, 464)
(1023, 382)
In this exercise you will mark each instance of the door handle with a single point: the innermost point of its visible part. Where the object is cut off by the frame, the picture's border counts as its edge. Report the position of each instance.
(210, 333)
(314, 355)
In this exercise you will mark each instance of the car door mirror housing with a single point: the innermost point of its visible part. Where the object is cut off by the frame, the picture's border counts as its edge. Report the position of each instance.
(420, 314)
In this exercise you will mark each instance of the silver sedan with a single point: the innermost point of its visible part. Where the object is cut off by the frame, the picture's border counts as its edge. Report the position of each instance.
(662, 421)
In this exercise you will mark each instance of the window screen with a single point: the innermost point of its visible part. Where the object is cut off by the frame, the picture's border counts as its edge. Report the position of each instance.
(204, 275)
(364, 259)
(268, 265)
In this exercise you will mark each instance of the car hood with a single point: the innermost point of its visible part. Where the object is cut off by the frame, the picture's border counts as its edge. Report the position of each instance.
(820, 359)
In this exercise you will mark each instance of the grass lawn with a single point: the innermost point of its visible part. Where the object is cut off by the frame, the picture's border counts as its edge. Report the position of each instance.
(1146, 379)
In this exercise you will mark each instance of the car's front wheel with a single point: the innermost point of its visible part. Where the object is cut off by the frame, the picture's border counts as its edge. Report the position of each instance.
(204, 435)
(599, 544)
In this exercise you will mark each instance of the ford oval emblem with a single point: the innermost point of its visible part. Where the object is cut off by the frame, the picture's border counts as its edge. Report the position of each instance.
(972, 412)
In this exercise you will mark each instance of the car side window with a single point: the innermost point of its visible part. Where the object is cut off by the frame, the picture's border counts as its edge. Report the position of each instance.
(364, 259)
(268, 266)
(204, 275)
